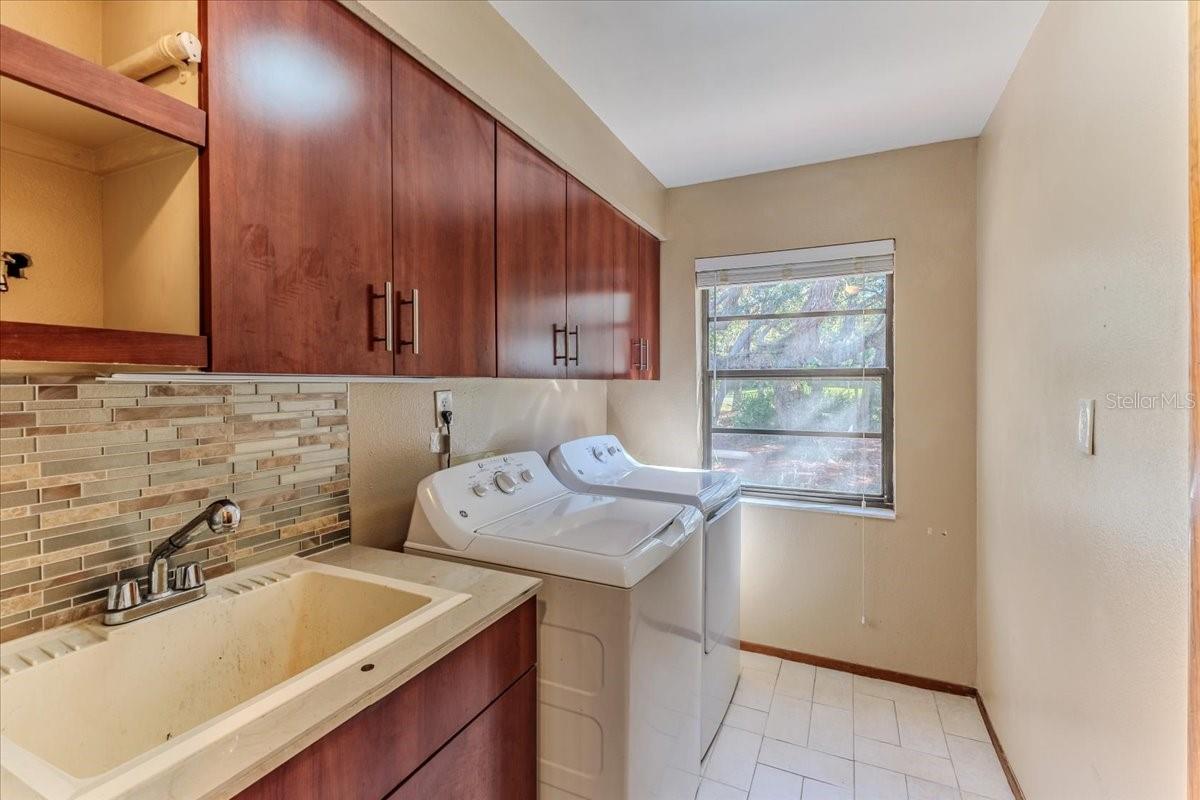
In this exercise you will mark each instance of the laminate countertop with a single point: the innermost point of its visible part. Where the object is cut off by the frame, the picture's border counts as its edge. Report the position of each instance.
(230, 764)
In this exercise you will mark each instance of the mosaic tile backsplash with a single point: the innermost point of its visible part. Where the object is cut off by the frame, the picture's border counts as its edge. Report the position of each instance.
(94, 475)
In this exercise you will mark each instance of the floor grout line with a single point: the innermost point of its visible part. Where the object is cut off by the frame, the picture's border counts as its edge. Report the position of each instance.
(853, 760)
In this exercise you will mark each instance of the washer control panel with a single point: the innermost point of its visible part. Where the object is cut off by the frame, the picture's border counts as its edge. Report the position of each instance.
(480, 492)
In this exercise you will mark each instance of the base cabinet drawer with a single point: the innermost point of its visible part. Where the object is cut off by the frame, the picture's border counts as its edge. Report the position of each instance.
(469, 693)
(493, 758)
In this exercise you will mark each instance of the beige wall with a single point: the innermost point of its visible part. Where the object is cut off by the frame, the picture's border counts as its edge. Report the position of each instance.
(470, 44)
(389, 437)
(52, 212)
(801, 570)
(1083, 286)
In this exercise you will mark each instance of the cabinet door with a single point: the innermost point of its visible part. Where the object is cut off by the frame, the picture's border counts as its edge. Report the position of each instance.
(443, 226)
(493, 758)
(531, 272)
(627, 349)
(591, 250)
(296, 178)
(648, 299)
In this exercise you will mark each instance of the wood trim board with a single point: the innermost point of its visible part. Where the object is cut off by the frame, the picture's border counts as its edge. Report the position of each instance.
(32, 341)
(44, 66)
(932, 684)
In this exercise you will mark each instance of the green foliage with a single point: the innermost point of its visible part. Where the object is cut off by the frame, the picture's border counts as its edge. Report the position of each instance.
(843, 341)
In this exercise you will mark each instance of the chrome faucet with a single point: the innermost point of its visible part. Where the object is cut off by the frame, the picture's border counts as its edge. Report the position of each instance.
(165, 590)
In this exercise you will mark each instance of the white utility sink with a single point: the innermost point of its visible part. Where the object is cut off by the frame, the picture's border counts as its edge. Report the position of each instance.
(86, 710)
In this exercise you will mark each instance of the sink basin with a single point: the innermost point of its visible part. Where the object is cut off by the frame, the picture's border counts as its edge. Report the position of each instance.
(80, 706)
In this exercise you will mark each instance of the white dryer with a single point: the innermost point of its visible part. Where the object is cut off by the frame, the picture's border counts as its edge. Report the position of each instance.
(619, 639)
(600, 465)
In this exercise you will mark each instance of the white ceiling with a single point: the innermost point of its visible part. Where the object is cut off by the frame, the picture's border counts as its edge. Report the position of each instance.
(705, 90)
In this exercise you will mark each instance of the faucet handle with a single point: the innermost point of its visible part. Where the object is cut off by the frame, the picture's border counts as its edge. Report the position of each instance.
(123, 595)
(160, 575)
(189, 576)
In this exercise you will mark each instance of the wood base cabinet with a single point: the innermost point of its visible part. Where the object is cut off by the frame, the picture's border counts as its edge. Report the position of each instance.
(490, 759)
(464, 729)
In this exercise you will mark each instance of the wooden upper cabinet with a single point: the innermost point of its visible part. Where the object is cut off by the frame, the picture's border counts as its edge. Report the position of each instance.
(443, 226)
(297, 179)
(648, 305)
(531, 274)
(626, 301)
(591, 253)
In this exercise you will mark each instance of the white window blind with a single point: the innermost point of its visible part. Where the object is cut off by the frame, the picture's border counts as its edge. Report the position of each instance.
(806, 262)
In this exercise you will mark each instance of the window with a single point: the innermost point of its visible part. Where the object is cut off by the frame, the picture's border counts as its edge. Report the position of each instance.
(798, 385)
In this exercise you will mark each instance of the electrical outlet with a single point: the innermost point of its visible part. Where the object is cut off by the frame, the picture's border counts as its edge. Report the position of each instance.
(443, 400)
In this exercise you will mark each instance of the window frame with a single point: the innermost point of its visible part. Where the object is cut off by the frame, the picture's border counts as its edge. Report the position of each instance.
(886, 374)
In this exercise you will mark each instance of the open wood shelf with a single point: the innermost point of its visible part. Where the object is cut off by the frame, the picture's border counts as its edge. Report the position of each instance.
(44, 66)
(32, 341)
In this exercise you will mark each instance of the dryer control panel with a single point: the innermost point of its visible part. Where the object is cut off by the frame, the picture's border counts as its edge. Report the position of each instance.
(595, 459)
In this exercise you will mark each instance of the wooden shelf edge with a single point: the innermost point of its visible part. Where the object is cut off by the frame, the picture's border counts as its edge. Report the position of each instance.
(31, 341)
(44, 66)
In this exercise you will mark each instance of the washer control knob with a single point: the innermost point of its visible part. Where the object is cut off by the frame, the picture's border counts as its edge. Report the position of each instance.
(479, 489)
(505, 483)
(599, 454)
(526, 476)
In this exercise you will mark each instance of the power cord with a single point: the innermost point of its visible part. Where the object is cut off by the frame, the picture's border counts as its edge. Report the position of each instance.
(447, 415)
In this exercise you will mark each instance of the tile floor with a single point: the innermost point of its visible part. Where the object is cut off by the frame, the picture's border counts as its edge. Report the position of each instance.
(797, 732)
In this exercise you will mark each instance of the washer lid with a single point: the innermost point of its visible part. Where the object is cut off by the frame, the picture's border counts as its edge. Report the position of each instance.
(602, 526)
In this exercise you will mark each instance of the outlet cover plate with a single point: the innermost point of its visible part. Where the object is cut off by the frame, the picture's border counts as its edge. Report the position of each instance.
(443, 400)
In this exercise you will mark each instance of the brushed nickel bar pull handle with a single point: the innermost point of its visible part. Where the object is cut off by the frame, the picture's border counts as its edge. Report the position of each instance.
(389, 318)
(645, 355)
(416, 304)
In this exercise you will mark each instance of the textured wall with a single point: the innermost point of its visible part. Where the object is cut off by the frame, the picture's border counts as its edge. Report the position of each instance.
(52, 212)
(1083, 291)
(390, 436)
(801, 579)
(94, 475)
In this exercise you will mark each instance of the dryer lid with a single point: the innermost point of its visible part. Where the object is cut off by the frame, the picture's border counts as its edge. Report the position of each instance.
(600, 465)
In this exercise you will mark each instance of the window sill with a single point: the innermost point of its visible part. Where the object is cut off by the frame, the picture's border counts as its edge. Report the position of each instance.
(821, 508)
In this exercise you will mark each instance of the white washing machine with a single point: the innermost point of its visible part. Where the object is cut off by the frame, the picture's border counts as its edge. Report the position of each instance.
(619, 638)
(600, 465)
